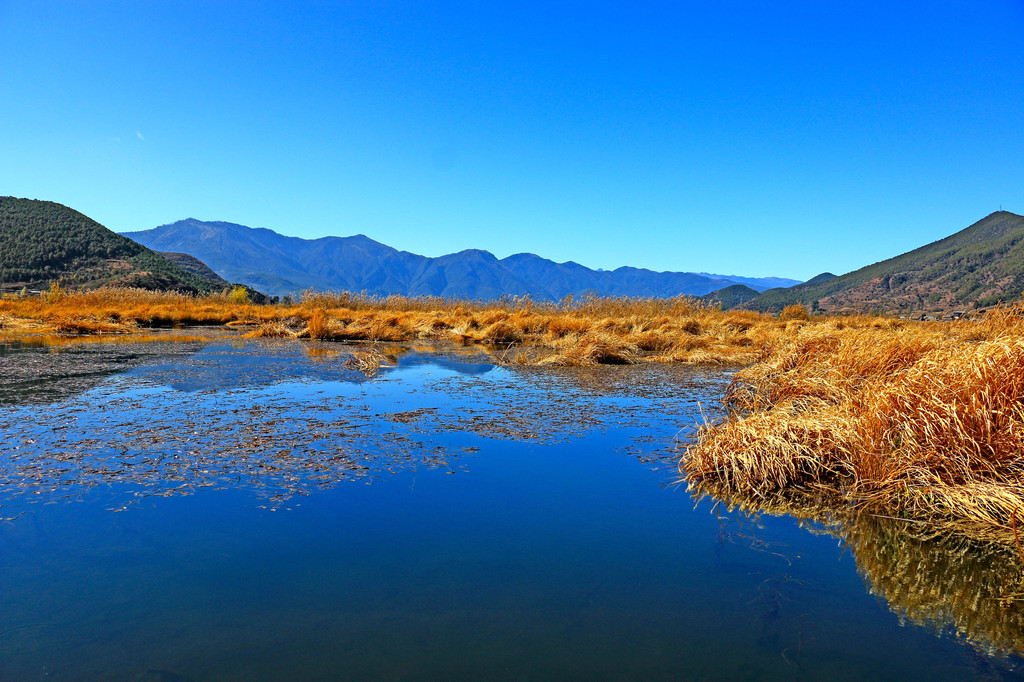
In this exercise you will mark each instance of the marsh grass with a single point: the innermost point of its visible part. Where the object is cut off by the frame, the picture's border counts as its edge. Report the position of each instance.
(369, 361)
(916, 419)
(922, 421)
(573, 332)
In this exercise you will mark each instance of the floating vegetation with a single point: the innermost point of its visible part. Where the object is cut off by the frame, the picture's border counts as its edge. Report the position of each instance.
(369, 361)
(286, 419)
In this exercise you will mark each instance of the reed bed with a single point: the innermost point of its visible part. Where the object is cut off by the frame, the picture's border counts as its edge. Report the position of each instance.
(923, 420)
(917, 421)
(571, 332)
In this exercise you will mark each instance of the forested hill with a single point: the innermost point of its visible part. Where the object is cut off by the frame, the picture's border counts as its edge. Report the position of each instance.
(730, 297)
(42, 242)
(978, 266)
(194, 265)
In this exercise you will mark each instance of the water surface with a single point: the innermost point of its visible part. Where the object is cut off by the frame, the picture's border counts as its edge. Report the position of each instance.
(223, 509)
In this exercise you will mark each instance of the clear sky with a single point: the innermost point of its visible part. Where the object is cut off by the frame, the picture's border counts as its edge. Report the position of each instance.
(753, 138)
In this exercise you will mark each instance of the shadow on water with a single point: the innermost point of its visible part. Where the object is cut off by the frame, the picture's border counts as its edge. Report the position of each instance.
(950, 585)
(39, 370)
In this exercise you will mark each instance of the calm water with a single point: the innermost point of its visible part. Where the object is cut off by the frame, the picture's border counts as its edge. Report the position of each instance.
(212, 510)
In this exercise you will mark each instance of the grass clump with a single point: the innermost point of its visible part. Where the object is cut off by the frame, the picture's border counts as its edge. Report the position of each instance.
(796, 311)
(924, 422)
(593, 349)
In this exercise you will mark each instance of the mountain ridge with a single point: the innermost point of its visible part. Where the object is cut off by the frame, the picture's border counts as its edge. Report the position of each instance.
(43, 242)
(978, 266)
(358, 263)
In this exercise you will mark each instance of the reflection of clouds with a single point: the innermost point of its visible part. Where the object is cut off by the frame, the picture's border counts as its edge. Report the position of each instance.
(930, 579)
(222, 367)
(228, 366)
(464, 368)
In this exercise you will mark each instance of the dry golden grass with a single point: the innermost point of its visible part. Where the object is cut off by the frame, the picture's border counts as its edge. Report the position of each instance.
(369, 361)
(592, 348)
(923, 421)
(119, 311)
(914, 418)
(570, 332)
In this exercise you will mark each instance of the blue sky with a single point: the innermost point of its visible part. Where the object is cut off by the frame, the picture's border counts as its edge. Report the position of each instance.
(754, 138)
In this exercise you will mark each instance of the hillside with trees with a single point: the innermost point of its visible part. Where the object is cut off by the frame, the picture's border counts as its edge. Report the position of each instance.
(730, 297)
(43, 242)
(979, 266)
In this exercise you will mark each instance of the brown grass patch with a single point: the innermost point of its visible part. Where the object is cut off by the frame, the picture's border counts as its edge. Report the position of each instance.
(917, 421)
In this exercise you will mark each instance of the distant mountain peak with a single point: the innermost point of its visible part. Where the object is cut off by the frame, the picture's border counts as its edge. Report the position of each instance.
(278, 264)
(476, 252)
(757, 283)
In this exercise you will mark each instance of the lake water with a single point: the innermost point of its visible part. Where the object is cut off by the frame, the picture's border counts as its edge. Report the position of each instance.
(219, 509)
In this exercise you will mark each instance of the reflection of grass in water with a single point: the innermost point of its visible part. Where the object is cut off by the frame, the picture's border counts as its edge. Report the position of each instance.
(320, 353)
(930, 579)
(944, 582)
(57, 341)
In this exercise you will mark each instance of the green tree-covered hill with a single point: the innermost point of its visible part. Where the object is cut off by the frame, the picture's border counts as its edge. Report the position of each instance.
(978, 266)
(42, 242)
(730, 297)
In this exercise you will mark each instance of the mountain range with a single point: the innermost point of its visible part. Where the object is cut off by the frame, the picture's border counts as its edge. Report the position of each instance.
(278, 264)
(976, 267)
(42, 242)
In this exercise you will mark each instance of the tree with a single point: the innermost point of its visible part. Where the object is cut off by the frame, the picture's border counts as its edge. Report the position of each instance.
(239, 295)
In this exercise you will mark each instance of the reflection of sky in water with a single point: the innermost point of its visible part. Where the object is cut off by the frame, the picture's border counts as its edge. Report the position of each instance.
(226, 366)
(520, 524)
(289, 420)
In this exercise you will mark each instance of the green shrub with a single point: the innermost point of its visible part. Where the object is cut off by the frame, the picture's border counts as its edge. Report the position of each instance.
(239, 295)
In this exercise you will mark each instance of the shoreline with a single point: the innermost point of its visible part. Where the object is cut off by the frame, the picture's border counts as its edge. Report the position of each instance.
(914, 420)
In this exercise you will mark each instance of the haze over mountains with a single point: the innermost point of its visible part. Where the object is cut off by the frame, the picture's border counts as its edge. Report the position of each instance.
(277, 264)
